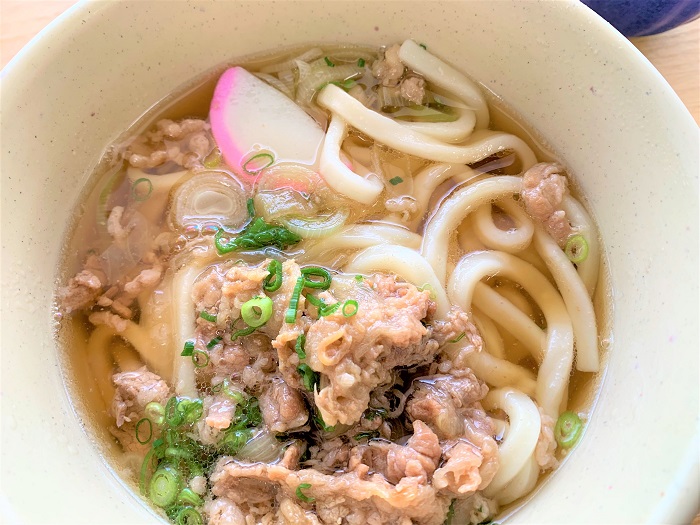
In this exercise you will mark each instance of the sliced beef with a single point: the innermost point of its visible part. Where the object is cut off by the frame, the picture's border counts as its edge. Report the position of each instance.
(544, 189)
(134, 390)
(282, 407)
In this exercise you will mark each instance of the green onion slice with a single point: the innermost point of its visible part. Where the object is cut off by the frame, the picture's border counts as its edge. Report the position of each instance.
(242, 333)
(299, 346)
(188, 516)
(188, 349)
(172, 416)
(568, 429)
(145, 467)
(316, 271)
(189, 497)
(250, 204)
(458, 338)
(369, 434)
(273, 282)
(361, 62)
(211, 344)
(200, 358)
(155, 412)
(291, 315)
(395, 181)
(228, 391)
(350, 308)
(207, 316)
(303, 497)
(359, 278)
(576, 249)
(328, 62)
(257, 163)
(141, 189)
(165, 486)
(308, 377)
(144, 436)
(257, 311)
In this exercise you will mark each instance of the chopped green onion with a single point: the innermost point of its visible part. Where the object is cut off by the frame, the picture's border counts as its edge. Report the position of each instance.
(191, 410)
(423, 46)
(345, 84)
(257, 234)
(299, 346)
(207, 316)
(211, 344)
(145, 466)
(323, 308)
(141, 194)
(303, 497)
(458, 338)
(200, 358)
(226, 390)
(257, 163)
(273, 282)
(359, 278)
(250, 204)
(568, 429)
(172, 416)
(189, 497)
(450, 513)
(155, 412)
(373, 413)
(165, 486)
(395, 181)
(316, 271)
(139, 437)
(257, 311)
(291, 314)
(350, 308)
(188, 516)
(361, 62)
(188, 349)
(576, 249)
(308, 377)
(318, 419)
(369, 434)
(328, 62)
(428, 287)
(234, 440)
(213, 159)
(242, 333)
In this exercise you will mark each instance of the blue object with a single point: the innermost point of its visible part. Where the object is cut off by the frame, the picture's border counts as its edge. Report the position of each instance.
(645, 17)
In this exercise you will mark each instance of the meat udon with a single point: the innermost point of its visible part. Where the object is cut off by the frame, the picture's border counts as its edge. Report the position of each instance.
(334, 296)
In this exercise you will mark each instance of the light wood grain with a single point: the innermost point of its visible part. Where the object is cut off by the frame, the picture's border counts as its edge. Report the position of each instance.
(676, 53)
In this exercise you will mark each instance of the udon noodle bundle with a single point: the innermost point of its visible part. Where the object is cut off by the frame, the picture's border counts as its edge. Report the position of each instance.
(338, 298)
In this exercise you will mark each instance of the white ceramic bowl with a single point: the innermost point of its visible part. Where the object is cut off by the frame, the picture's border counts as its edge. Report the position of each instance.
(619, 126)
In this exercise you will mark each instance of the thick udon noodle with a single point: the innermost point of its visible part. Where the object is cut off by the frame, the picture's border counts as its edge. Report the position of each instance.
(533, 308)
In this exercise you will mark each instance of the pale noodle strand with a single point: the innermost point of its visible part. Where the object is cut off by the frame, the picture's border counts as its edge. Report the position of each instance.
(455, 131)
(185, 324)
(523, 482)
(553, 375)
(454, 209)
(405, 263)
(142, 340)
(513, 240)
(359, 237)
(511, 318)
(578, 302)
(393, 134)
(426, 182)
(493, 342)
(511, 292)
(100, 363)
(499, 372)
(466, 238)
(444, 76)
(520, 440)
(583, 224)
(125, 356)
(337, 175)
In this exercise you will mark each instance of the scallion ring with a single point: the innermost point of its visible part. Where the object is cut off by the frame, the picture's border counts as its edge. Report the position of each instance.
(144, 436)
(242, 333)
(291, 314)
(211, 344)
(576, 249)
(308, 377)
(303, 497)
(189, 497)
(200, 358)
(257, 163)
(155, 412)
(273, 281)
(188, 516)
(458, 338)
(350, 308)
(299, 346)
(207, 316)
(236, 395)
(257, 311)
(188, 349)
(145, 466)
(172, 416)
(316, 271)
(142, 193)
(568, 429)
(165, 486)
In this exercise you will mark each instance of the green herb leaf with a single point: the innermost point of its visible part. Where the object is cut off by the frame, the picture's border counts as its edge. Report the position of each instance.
(257, 234)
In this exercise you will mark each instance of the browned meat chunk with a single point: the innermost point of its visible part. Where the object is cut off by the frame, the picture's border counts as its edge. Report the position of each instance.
(282, 407)
(460, 473)
(413, 89)
(389, 69)
(134, 391)
(220, 412)
(81, 291)
(543, 191)
(223, 511)
(546, 444)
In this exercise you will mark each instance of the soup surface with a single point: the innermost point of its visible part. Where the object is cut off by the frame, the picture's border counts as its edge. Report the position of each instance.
(319, 288)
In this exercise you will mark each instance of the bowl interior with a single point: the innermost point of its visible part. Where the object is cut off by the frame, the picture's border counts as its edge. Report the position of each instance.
(627, 138)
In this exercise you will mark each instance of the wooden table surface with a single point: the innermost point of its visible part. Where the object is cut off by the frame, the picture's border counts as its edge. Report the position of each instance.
(676, 53)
